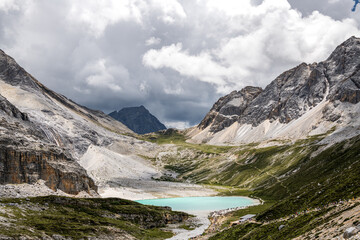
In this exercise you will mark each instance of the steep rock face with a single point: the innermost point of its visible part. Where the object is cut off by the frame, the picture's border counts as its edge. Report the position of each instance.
(57, 170)
(138, 119)
(318, 91)
(343, 71)
(227, 109)
(46, 108)
(26, 156)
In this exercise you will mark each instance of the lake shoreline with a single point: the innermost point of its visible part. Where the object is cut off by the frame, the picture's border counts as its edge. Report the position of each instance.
(147, 189)
(143, 189)
(203, 216)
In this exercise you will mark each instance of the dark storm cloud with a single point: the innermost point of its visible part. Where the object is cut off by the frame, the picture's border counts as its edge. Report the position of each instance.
(174, 57)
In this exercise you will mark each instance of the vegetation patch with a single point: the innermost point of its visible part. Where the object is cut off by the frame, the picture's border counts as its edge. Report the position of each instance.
(329, 177)
(291, 178)
(80, 218)
(290, 228)
(172, 136)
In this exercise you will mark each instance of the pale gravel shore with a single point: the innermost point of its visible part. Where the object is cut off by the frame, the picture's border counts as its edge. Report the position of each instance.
(140, 189)
(201, 220)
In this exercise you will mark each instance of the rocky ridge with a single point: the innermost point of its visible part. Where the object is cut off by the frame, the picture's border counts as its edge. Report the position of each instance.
(309, 99)
(43, 135)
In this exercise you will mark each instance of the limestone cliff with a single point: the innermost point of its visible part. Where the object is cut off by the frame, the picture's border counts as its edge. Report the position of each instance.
(57, 170)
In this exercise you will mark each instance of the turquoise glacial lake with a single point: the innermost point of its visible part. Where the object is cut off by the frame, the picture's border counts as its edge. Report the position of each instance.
(200, 203)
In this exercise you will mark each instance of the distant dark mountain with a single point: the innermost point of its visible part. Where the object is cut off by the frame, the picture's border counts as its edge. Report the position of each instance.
(138, 119)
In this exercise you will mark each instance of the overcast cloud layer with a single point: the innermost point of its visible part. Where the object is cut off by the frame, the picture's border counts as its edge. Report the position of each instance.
(174, 57)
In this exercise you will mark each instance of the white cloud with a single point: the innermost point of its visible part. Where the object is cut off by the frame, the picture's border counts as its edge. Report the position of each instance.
(178, 125)
(175, 89)
(201, 66)
(172, 10)
(271, 38)
(153, 41)
(144, 87)
(91, 51)
(99, 74)
(98, 15)
(7, 5)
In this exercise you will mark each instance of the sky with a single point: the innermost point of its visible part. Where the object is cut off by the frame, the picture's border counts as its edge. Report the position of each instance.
(175, 57)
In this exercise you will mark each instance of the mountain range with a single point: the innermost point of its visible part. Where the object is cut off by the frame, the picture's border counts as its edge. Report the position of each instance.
(294, 144)
(310, 99)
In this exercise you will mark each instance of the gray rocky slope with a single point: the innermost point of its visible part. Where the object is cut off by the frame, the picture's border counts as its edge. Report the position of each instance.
(307, 100)
(44, 135)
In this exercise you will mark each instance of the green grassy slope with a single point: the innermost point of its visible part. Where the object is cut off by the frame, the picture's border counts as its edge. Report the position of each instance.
(246, 166)
(79, 218)
(331, 176)
(298, 177)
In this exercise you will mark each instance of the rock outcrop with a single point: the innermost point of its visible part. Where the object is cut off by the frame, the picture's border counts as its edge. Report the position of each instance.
(227, 109)
(57, 170)
(26, 155)
(11, 110)
(320, 91)
(350, 232)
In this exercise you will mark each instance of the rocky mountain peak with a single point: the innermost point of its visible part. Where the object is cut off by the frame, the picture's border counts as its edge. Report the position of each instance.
(293, 94)
(141, 108)
(345, 58)
(228, 107)
(352, 43)
(138, 119)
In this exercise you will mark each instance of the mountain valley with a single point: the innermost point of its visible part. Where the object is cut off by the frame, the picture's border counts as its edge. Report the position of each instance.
(295, 145)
